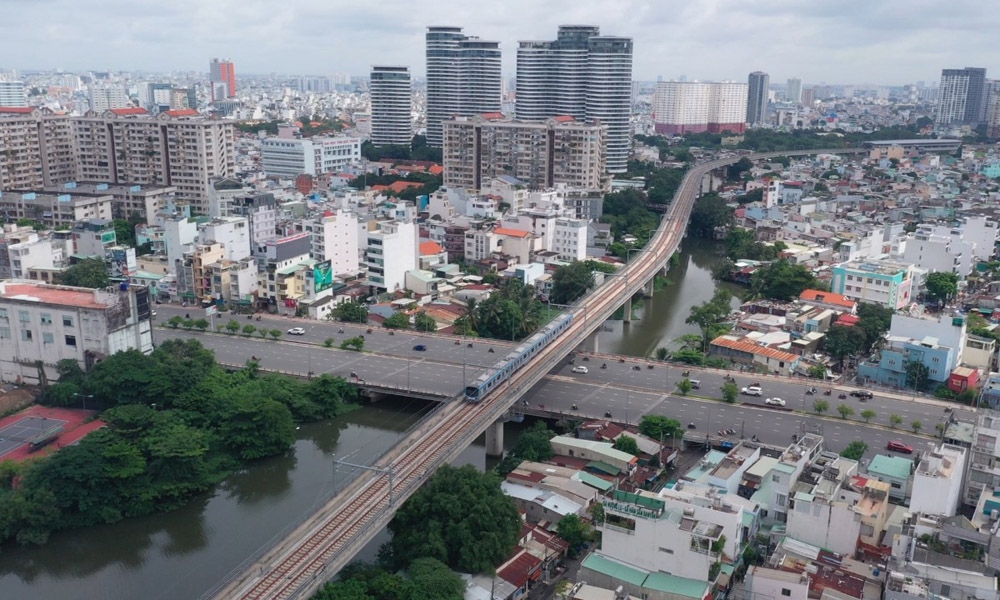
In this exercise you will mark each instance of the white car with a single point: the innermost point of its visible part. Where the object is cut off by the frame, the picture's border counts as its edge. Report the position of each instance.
(296, 331)
(775, 402)
(753, 390)
(580, 369)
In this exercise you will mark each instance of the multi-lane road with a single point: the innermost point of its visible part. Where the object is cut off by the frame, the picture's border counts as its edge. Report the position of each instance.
(621, 389)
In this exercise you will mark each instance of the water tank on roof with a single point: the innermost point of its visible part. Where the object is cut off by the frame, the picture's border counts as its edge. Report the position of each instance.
(123, 286)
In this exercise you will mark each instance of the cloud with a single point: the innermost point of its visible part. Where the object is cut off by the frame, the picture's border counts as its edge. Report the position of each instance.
(850, 41)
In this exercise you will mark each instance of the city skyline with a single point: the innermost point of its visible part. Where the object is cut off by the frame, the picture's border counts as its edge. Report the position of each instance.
(882, 43)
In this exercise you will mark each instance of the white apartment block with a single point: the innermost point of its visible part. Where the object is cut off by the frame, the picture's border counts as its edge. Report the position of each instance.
(935, 248)
(480, 244)
(232, 232)
(234, 281)
(937, 482)
(179, 235)
(681, 107)
(983, 232)
(290, 158)
(124, 146)
(679, 531)
(391, 105)
(126, 200)
(984, 457)
(31, 253)
(12, 93)
(391, 251)
(55, 210)
(762, 582)
(105, 96)
(261, 210)
(335, 238)
(48, 323)
(480, 149)
(570, 239)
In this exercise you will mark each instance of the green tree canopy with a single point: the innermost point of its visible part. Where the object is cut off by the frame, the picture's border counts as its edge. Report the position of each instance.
(399, 320)
(709, 212)
(708, 316)
(842, 341)
(351, 312)
(627, 444)
(781, 280)
(424, 322)
(942, 286)
(459, 517)
(574, 530)
(659, 427)
(88, 273)
(570, 282)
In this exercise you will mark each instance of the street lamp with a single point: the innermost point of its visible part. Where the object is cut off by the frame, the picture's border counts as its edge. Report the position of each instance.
(84, 397)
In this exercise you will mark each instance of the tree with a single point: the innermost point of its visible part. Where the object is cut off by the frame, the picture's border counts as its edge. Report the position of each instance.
(328, 342)
(399, 320)
(842, 341)
(916, 425)
(782, 280)
(874, 320)
(175, 321)
(868, 414)
(353, 343)
(684, 386)
(88, 273)
(817, 371)
(895, 420)
(201, 324)
(659, 427)
(460, 517)
(662, 353)
(274, 333)
(940, 428)
(256, 427)
(575, 531)
(917, 374)
(534, 445)
(351, 312)
(855, 450)
(730, 392)
(845, 410)
(709, 213)
(571, 281)
(821, 406)
(424, 322)
(942, 285)
(627, 444)
(233, 326)
(248, 330)
(707, 317)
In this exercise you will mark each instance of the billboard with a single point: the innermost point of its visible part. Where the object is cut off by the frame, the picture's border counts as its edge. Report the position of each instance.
(322, 276)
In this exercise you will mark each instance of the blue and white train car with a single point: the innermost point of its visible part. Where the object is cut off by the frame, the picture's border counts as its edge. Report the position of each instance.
(514, 360)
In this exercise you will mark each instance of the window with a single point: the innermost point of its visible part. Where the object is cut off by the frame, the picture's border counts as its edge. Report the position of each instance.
(23, 316)
(786, 592)
(895, 485)
(67, 321)
(4, 333)
(667, 550)
(3, 313)
(48, 338)
(71, 340)
(775, 479)
(26, 335)
(46, 319)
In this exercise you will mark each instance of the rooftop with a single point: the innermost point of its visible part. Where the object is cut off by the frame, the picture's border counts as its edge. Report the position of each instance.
(50, 294)
(896, 467)
(727, 341)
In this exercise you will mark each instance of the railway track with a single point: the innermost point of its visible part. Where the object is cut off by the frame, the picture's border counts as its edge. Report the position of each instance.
(300, 564)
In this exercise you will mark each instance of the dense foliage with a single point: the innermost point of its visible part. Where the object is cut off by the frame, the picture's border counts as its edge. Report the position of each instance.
(460, 517)
(942, 286)
(767, 140)
(423, 579)
(535, 444)
(855, 450)
(351, 312)
(418, 150)
(626, 212)
(781, 280)
(659, 427)
(708, 316)
(710, 212)
(570, 282)
(512, 312)
(742, 245)
(428, 184)
(88, 273)
(176, 425)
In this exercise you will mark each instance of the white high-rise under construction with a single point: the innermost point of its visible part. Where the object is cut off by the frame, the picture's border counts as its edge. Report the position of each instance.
(582, 74)
(463, 78)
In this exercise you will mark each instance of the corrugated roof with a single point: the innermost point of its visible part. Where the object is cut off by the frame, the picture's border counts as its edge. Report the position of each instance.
(680, 586)
(511, 232)
(594, 481)
(751, 348)
(896, 467)
(615, 570)
(827, 298)
(430, 247)
(122, 112)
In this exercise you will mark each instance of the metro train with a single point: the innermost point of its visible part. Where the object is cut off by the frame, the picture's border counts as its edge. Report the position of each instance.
(515, 359)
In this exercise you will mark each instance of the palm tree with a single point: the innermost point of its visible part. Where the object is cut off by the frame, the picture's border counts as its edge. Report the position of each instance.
(472, 313)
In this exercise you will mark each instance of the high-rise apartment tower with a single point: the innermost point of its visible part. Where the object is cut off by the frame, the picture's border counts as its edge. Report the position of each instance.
(962, 96)
(222, 71)
(463, 78)
(793, 90)
(757, 98)
(581, 74)
(391, 106)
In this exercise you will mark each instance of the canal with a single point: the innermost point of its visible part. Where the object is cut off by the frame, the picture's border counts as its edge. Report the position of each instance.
(184, 553)
(661, 318)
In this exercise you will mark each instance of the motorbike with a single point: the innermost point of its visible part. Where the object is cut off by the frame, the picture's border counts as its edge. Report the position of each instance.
(571, 361)
(826, 393)
(685, 373)
(731, 431)
(607, 414)
(649, 366)
(354, 375)
(469, 345)
(490, 351)
(842, 396)
(754, 438)
(586, 358)
(947, 409)
(621, 360)
(636, 368)
(457, 342)
(258, 317)
(575, 407)
(541, 406)
(341, 330)
(604, 366)
(249, 317)
(391, 332)
(369, 330)
(691, 426)
(254, 357)
(187, 315)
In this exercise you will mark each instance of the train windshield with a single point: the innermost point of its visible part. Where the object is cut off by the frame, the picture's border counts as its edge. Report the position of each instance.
(472, 391)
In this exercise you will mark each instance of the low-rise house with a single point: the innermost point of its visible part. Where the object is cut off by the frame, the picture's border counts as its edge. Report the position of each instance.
(894, 470)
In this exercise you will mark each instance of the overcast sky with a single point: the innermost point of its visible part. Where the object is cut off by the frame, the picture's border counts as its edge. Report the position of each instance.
(844, 41)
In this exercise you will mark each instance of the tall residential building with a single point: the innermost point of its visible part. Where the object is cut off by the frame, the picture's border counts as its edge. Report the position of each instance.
(120, 146)
(155, 96)
(681, 107)
(222, 71)
(12, 94)
(334, 237)
(282, 157)
(584, 75)
(105, 96)
(992, 102)
(758, 83)
(463, 78)
(793, 90)
(391, 106)
(558, 150)
(962, 96)
(390, 251)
